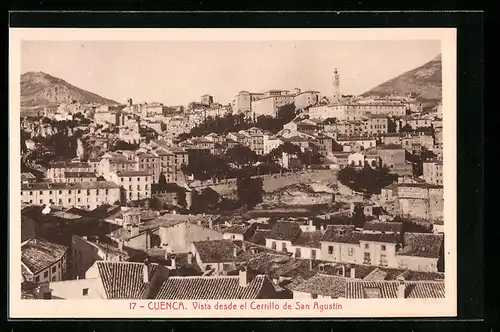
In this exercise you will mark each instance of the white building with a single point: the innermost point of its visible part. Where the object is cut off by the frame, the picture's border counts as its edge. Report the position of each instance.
(134, 184)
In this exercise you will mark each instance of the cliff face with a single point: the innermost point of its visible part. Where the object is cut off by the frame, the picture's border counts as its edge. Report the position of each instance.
(424, 82)
(41, 89)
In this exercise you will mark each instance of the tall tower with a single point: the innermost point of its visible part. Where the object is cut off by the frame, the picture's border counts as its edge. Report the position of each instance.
(336, 84)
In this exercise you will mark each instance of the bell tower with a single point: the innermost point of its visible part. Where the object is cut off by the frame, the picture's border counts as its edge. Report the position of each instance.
(336, 85)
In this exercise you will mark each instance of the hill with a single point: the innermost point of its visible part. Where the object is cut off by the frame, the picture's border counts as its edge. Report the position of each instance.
(41, 89)
(423, 82)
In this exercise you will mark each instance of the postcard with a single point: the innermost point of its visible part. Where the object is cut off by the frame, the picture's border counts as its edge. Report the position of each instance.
(232, 173)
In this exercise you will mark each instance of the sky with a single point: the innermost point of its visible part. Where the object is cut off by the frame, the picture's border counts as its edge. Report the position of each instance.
(178, 72)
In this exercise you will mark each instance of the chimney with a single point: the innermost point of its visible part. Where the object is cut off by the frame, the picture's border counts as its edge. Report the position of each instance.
(134, 230)
(235, 252)
(166, 254)
(322, 227)
(311, 264)
(401, 287)
(120, 245)
(145, 272)
(243, 277)
(244, 246)
(311, 223)
(173, 264)
(210, 225)
(190, 258)
(353, 273)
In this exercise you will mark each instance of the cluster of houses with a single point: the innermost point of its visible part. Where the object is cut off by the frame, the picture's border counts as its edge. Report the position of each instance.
(173, 256)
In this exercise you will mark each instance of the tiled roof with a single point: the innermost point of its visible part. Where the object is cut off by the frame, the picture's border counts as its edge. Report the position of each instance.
(421, 245)
(383, 226)
(286, 231)
(236, 229)
(76, 185)
(38, 254)
(309, 239)
(382, 238)
(213, 288)
(124, 280)
(27, 176)
(215, 251)
(333, 235)
(323, 284)
(357, 289)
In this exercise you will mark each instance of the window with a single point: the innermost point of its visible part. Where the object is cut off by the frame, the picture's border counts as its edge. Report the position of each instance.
(297, 253)
(283, 247)
(60, 192)
(129, 187)
(79, 191)
(54, 269)
(313, 254)
(138, 187)
(107, 191)
(79, 200)
(382, 247)
(37, 279)
(31, 193)
(367, 246)
(69, 191)
(60, 201)
(41, 192)
(330, 250)
(121, 179)
(130, 179)
(366, 258)
(53, 278)
(46, 274)
(208, 267)
(350, 251)
(41, 201)
(69, 200)
(383, 260)
(273, 245)
(85, 292)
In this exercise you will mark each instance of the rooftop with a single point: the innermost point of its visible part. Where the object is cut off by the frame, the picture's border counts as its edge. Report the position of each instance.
(216, 251)
(214, 288)
(422, 245)
(381, 226)
(65, 185)
(124, 280)
(39, 254)
(379, 237)
(309, 239)
(389, 289)
(349, 237)
(323, 284)
(286, 231)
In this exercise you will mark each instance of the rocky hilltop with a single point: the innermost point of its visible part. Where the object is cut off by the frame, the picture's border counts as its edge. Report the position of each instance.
(424, 82)
(42, 89)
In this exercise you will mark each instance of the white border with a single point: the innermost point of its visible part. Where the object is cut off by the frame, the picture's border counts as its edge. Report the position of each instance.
(351, 308)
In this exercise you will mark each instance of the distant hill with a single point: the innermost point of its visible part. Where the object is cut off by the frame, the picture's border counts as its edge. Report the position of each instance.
(423, 82)
(41, 89)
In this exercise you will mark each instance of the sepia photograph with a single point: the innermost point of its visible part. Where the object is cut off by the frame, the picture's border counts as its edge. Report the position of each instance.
(229, 173)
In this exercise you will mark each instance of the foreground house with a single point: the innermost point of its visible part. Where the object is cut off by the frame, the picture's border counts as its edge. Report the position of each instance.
(43, 261)
(335, 287)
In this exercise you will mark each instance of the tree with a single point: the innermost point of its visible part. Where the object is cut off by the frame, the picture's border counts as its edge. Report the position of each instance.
(162, 181)
(122, 145)
(330, 120)
(241, 155)
(406, 129)
(367, 180)
(358, 216)
(250, 191)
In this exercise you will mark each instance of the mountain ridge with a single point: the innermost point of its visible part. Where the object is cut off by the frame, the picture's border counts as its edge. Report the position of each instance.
(423, 82)
(42, 89)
